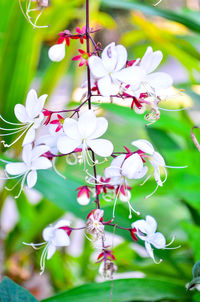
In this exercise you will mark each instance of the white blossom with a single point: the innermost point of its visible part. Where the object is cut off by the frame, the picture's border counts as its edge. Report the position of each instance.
(32, 161)
(95, 226)
(85, 134)
(109, 71)
(54, 236)
(146, 230)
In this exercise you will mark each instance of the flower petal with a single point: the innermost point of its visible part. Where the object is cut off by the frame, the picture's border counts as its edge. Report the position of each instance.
(39, 150)
(101, 147)
(133, 76)
(29, 137)
(115, 168)
(57, 52)
(20, 113)
(132, 165)
(159, 80)
(16, 168)
(41, 163)
(151, 60)
(149, 250)
(50, 251)
(142, 228)
(140, 173)
(71, 129)
(62, 223)
(47, 233)
(66, 144)
(121, 57)
(109, 57)
(87, 123)
(31, 178)
(144, 145)
(158, 240)
(27, 154)
(152, 224)
(61, 238)
(101, 127)
(96, 67)
(105, 86)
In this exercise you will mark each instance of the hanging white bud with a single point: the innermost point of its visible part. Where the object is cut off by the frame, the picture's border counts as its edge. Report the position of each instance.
(57, 52)
(126, 197)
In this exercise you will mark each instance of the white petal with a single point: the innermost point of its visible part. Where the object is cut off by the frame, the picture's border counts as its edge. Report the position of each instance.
(101, 127)
(132, 165)
(121, 57)
(16, 168)
(126, 197)
(152, 224)
(50, 251)
(105, 86)
(149, 250)
(57, 52)
(83, 199)
(151, 60)
(157, 160)
(42, 100)
(159, 80)
(115, 168)
(31, 178)
(140, 173)
(70, 127)
(20, 113)
(62, 223)
(109, 57)
(133, 76)
(61, 238)
(47, 233)
(31, 104)
(29, 137)
(101, 147)
(39, 150)
(41, 163)
(66, 145)
(96, 67)
(158, 240)
(143, 145)
(142, 228)
(27, 153)
(38, 120)
(87, 123)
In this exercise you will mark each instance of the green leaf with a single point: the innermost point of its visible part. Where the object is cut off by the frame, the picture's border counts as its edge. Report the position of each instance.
(10, 291)
(125, 290)
(188, 21)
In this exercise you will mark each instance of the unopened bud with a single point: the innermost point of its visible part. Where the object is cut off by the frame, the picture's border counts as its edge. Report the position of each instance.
(126, 197)
(83, 199)
(57, 52)
(43, 3)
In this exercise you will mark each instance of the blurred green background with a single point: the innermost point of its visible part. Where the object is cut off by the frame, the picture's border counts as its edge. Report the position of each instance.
(172, 27)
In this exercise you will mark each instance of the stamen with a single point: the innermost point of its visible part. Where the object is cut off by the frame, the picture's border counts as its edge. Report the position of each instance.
(10, 189)
(152, 192)
(27, 128)
(177, 167)
(70, 162)
(35, 246)
(180, 109)
(15, 124)
(22, 185)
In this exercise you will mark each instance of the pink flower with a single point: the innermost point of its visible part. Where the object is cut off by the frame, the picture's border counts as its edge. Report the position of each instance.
(84, 56)
(82, 33)
(58, 122)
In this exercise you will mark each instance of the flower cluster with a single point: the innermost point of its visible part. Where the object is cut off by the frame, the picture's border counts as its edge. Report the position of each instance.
(78, 132)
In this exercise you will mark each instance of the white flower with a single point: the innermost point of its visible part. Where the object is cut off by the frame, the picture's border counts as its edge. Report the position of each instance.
(54, 237)
(32, 161)
(122, 167)
(94, 223)
(156, 160)
(85, 134)
(146, 230)
(151, 79)
(109, 71)
(57, 52)
(31, 114)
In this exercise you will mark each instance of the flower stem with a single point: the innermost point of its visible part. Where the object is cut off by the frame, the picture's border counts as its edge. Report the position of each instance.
(89, 95)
